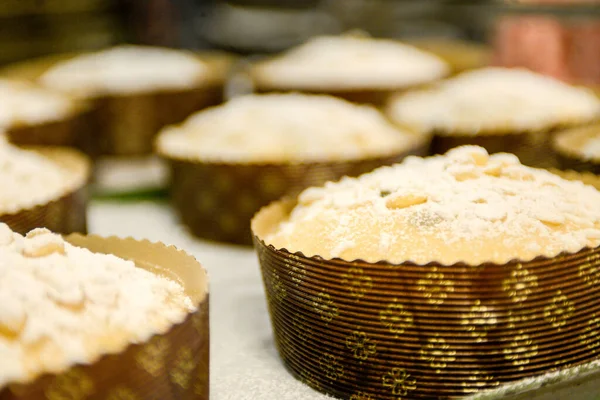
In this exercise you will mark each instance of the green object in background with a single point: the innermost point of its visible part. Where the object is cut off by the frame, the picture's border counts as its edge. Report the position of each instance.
(152, 194)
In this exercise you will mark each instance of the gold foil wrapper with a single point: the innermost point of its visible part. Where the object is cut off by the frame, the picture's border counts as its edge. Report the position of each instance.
(66, 214)
(169, 366)
(216, 201)
(373, 97)
(358, 330)
(72, 131)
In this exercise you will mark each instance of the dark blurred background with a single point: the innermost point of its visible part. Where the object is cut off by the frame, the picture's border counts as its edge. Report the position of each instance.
(544, 35)
(36, 27)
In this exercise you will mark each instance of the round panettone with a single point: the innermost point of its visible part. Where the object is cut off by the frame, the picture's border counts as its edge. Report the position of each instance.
(283, 128)
(134, 91)
(501, 109)
(23, 103)
(126, 70)
(32, 115)
(466, 206)
(43, 187)
(87, 317)
(434, 278)
(258, 148)
(354, 67)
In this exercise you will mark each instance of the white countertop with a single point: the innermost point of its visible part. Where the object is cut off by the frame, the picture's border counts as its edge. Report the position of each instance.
(244, 361)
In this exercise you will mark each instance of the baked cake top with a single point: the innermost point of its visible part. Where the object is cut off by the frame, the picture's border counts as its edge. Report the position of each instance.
(495, 100)
(463, 206)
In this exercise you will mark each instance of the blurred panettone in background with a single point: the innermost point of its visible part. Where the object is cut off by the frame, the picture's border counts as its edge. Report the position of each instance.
(33, 28)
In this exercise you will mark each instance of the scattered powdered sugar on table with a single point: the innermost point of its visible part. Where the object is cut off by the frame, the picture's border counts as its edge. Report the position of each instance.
(28, 179)
(495, 100)
(349, 61)
(244, 364)
(63, 304)
(25, 104)
(285, 127)
(463, 206)
(524, 386)
(244, 361)
(125, 70)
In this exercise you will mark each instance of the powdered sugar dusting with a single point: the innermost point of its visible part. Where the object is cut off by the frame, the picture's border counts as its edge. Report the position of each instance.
(28, 179)
(63, 305)
(349, 61)
(463, 206)
(127, 69)
(495, 100)
(286, 127)
(26, 104)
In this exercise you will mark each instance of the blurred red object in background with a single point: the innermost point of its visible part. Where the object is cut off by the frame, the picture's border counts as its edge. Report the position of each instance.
(584, 53)
(568, 49)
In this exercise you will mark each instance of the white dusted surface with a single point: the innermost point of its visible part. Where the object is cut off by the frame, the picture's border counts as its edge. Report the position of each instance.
(285, 127)
(244, 361)
(126, 69)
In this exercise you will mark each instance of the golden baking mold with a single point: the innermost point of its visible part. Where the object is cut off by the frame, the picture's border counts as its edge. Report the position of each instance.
(169, 366)
(68, 212)
(125, 124)
(360, 330)
(216, 200)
